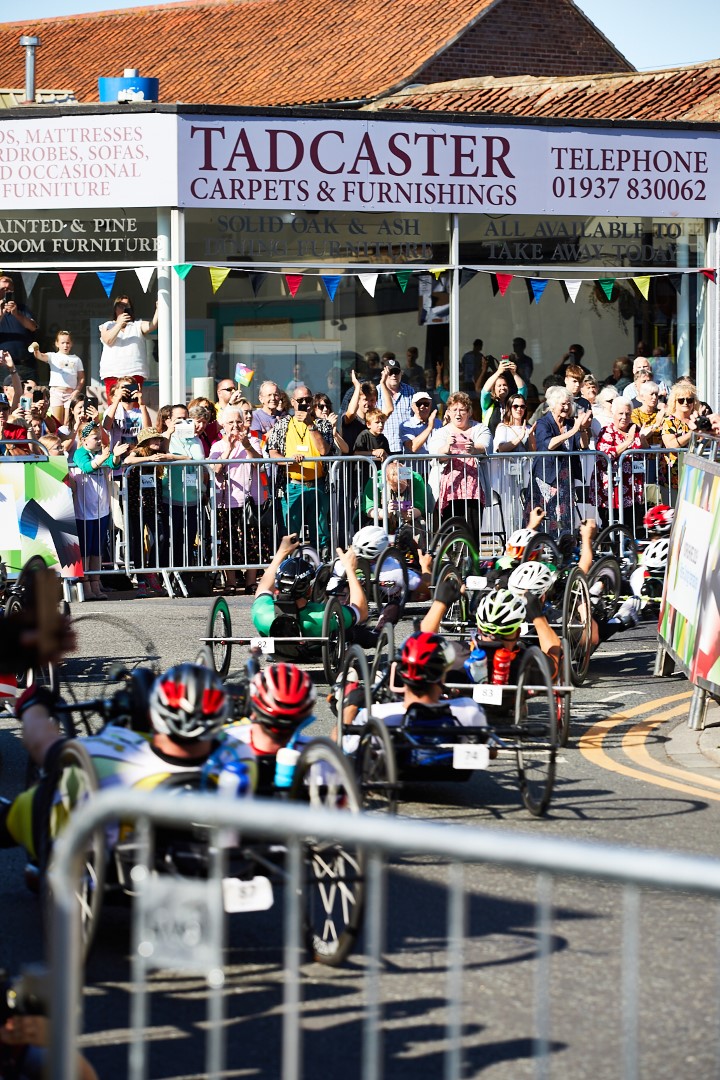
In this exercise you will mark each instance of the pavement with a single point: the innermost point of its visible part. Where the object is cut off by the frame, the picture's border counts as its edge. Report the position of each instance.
(698, 751)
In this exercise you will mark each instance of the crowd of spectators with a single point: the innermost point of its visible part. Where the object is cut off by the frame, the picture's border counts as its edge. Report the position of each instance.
(140, 468)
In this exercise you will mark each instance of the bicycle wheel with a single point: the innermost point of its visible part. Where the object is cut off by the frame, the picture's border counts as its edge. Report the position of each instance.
(320, 583)
(333, 889)
(618, 541)
(376, 768)
(459, 550)
(536, 732)
(390, 585)
(457, 616)
(577, 624)
(383, 658)
(72, 783)
(448, 526)
(333, 647)
(219, 626)
(605, 586)
(542, 548)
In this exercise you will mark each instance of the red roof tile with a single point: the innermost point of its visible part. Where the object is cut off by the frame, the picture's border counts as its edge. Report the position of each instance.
(244, 52)
(673, 94)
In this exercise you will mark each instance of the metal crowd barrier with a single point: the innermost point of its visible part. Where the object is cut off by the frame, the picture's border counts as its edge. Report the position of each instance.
(550, 860)
(659, 469)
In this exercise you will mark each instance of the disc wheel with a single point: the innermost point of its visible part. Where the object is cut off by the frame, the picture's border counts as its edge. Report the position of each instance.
(333, 646)
(390, 585)
(577, 624)
(536, 732)
(333, 887)
(618, 541)
(459, 550)
(72, 783)
(376, 768)
(542, 548)
(605, 586)
(219, 626)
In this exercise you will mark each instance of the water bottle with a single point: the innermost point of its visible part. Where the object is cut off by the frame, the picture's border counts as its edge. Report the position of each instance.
(501, 666)
(476, 666)
(285, 763)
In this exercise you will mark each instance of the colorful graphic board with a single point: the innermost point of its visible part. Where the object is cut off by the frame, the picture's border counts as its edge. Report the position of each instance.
(37, 515)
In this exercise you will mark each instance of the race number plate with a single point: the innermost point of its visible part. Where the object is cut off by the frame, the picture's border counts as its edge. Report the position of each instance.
(475, 584)
(488, 694)
(471, 756)
(253, 895)
(264, 644)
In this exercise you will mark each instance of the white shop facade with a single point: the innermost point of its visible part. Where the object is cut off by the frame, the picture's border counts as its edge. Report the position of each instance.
(292, 242)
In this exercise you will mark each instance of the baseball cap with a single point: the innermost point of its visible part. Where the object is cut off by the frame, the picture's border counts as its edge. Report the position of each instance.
(393, 365)
(421, 395)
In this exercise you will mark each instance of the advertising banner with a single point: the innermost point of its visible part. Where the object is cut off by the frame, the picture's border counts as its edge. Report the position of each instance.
(359, 164)
(85, 161)
(37, 516)
(689, 625)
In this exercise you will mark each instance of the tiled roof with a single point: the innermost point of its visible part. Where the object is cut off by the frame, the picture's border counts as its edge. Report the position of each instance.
(245, 52)
(672, 94)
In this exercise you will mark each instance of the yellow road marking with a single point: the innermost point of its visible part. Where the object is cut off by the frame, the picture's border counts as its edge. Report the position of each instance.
(591, 747)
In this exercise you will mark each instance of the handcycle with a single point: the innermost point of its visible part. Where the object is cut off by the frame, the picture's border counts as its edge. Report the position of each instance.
(427, 746)
(333, 881)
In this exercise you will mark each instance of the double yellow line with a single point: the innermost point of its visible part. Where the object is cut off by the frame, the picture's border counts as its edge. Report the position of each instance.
(633, 742)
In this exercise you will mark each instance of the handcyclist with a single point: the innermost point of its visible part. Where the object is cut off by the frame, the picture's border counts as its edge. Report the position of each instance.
(425, 661)
(282, 604)
(370, 543)
(188, 708)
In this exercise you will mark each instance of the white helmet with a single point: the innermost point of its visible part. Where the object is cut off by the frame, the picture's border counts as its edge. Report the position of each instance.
(370, 542)
(501, 613)
(518, 541)
(655, 556)
(533, 577)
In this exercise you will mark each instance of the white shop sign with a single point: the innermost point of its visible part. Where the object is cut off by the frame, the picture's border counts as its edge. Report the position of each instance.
(123, 159)
(398, 166)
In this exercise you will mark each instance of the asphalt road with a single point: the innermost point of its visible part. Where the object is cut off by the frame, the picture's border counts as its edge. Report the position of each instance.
(615, 784)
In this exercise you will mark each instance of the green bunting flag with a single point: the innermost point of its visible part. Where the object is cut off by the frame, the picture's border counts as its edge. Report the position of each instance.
(182, 269)
(606, 284)
(403, 276)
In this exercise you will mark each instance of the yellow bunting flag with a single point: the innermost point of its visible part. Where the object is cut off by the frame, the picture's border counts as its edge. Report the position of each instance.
(217, 276)
(643, 284)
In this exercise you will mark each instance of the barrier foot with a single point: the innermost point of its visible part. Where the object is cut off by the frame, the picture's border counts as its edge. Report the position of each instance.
(180, 585)
(167, 583)
(698, 709)
(664, 664)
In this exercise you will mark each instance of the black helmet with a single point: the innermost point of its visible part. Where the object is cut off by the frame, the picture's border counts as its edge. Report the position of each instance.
(294, 578)
(188, 702)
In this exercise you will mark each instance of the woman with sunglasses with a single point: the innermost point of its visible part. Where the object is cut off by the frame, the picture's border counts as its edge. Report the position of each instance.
(513, 435)
(679, 423)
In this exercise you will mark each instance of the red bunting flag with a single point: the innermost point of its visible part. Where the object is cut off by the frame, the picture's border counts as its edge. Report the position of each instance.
(711, 275)
(503, 281)
(67, 280)
(293, 282)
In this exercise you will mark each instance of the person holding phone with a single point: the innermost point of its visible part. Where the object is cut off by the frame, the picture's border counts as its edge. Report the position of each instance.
(496, 391)
(67, 374)
(124, 352)
(17, 326)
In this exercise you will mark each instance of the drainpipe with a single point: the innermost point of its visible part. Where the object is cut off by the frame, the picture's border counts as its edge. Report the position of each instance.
(29, 44)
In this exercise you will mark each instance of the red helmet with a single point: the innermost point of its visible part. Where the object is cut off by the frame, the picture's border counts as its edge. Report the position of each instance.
(282, 695)
(659, 520)
(425, 658)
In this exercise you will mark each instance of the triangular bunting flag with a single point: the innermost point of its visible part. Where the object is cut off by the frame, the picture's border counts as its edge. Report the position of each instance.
(217, 276)
(403, 276)
(256, 281)
(67, 280)
(606, 284)
(144, 275)
(466, 276)
(293, 282)
(331, 282)
(368, 282)
(528, 286)
(182, 269)
(503, 281)
(29, 277)
(494, 284)
(539, 285)
(572, 288)
(711, 275)
(676, 281)
(107, 280)
(436, 273)
(643, 284)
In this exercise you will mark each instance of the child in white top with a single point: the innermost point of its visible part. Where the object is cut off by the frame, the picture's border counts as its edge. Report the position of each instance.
(67, 374)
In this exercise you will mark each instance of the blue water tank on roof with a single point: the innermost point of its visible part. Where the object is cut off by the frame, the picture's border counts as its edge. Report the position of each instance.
(130, 88)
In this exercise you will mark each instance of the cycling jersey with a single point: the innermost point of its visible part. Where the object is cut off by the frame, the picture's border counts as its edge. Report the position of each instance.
(264, 611)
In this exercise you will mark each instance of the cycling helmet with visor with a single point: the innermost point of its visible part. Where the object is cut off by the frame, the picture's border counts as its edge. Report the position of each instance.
(501, 613)
(424, 659)
(188, 702)
(281, 696)
(294, 578)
